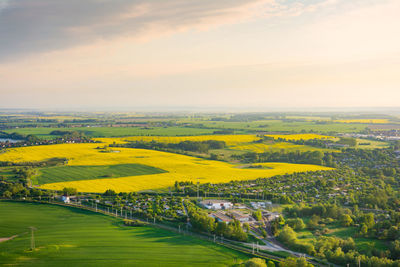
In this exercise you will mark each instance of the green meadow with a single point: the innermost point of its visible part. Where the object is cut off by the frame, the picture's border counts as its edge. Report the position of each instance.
(72, 237)
(44, 132)
(75, 173)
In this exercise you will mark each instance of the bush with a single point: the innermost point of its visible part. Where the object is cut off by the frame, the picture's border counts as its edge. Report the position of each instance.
(133, 223)
(255, 262)
(297, 224)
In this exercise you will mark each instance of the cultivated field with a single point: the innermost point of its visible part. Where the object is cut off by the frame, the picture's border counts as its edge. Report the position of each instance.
(178, 167)
(228, 139)
(72, 237)
(74, 173)
(277, 147)
(114, 131)
(296, 137)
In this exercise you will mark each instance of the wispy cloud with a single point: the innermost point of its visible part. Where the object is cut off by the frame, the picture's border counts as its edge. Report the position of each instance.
(45, 25)
(34, 26)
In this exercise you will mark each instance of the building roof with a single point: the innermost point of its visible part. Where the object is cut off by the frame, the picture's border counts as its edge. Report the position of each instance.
(221, 217)
(214, 201)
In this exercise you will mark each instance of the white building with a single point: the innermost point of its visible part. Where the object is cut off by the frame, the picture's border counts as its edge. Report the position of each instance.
(216, 204)
(65, 199)
(240, 216)
(220, 217)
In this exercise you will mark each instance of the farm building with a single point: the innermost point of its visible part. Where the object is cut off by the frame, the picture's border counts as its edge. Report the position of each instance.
(216, 204)
(220, 217)
(65, 199)
(241, 217)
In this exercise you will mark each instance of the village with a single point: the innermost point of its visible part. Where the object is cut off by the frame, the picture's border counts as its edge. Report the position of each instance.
(255, 215)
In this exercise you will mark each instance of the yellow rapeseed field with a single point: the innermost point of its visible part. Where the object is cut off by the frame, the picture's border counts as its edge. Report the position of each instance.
(178, 167)
(276, 147)
(296, 137)
(228, 139)
(363, 121)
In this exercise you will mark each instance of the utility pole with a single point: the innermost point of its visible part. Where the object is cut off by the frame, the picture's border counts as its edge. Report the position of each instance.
(257, 247)
(253, 247)
(32, 238)
(198, 190)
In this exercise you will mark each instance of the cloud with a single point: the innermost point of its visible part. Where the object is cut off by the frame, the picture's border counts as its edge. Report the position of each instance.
(46, 25)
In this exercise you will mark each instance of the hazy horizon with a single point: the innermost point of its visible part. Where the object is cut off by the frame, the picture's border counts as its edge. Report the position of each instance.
(239, 55)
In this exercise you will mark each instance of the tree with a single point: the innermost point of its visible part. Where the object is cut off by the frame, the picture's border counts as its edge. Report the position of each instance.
(393, 233)
(69, 191)
(364, 230)
(255, 262)
(345, 220)
(368, 220)
(110, 192)
(270, 264)
(295, 262)
(313, 222)
(7, 194)
(395, 249)
(297, 224)
(287, 235)
(257, 215)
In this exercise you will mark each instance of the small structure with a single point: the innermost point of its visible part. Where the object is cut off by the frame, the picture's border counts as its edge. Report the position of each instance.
(216, 204)
(220, 217)
(65, 199)
(240, 206)
(270, 216)
(258, 205)
(240, 216)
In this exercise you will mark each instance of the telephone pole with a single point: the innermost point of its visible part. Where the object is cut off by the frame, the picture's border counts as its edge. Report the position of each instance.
(198, 190)
(32, 238)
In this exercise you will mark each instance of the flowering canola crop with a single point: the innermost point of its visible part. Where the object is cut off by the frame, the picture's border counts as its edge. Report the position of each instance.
(178, 167)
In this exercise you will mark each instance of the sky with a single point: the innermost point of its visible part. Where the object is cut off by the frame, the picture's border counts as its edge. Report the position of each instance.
(256, 54)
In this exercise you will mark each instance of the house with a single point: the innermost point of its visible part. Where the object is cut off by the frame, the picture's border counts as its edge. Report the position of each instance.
(216, 204)
(240, 216)
(220, 217)
(260, 205)
(239, 206)
(65, 199)
(270, 216)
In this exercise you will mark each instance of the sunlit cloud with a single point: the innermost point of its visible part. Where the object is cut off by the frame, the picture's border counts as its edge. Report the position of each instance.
(230, 53)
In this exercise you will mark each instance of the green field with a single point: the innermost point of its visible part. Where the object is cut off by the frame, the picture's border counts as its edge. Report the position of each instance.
(72, 237)
(283, 126)
(371, 144)
(76, 173)
(44, 133)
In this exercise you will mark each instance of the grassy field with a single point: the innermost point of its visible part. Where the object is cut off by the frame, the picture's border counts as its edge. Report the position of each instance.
(72, 237)
(178, 167)
(277, 147)
(75, 173)
(283, 126)
(335, 229)
(114, 131)
(371, 144)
